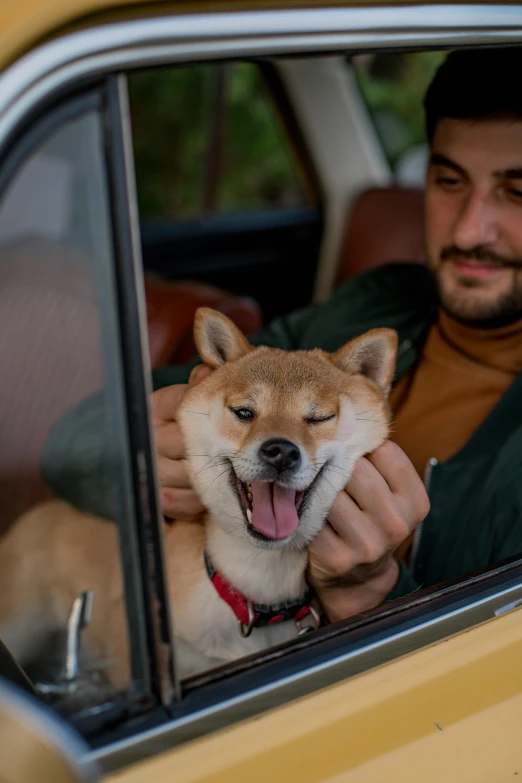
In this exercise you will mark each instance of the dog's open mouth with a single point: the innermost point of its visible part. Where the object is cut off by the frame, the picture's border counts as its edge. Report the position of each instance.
(272, 511)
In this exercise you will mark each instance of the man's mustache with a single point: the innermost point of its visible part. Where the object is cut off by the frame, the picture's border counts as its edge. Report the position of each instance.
(479, 253)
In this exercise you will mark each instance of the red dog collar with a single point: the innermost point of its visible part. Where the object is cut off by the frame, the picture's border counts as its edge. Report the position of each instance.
(251, 615)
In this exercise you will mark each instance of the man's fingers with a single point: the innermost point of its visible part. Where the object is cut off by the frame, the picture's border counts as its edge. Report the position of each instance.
(395, 467)
(367, 486)
(380, 506)
(386, 486)
(346, 519)
(362, 537)
(169, 441)
(325, 544)
(198, 374)
(180, 503)
(178, 499)
(329, 556)
(403, 480)
(173, 474)
(165, 402)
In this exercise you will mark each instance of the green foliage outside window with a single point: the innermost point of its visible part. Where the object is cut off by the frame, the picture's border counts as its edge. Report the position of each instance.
(169, 110)
(173, 116)
(393, 87)
(251, 166)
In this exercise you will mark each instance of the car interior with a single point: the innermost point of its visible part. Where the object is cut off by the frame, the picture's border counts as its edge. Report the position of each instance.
(262, 185)
(258, 256)
(242, 251)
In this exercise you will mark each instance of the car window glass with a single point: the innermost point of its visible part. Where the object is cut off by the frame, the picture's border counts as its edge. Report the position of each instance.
(393, 88)
(207, 140)
(54, 237)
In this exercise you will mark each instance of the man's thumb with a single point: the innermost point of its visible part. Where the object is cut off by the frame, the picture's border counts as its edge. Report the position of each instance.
(198, 374)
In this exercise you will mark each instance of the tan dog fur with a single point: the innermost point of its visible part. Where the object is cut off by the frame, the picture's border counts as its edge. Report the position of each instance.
(54, 552)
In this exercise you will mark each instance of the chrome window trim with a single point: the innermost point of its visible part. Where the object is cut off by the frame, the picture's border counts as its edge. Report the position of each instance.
(304, 683)
(112, 47)
(60, 64)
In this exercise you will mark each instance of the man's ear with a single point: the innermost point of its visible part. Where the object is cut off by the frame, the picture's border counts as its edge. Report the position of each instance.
(217, 339)
(373, 355)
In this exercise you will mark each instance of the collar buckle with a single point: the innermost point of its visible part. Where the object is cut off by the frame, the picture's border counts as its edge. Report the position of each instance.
(246, 630)
(314, 614)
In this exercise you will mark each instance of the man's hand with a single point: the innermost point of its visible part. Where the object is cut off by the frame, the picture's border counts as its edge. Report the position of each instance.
(178, 499)
(352, 566)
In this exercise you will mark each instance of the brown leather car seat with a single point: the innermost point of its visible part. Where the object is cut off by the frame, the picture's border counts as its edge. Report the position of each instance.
(384, 225)
(51, 350)
(170, 313)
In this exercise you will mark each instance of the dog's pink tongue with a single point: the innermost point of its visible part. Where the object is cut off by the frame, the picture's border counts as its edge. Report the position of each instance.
(273, 510)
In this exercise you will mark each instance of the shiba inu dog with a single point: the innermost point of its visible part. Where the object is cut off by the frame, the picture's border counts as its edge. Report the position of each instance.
(271, 437)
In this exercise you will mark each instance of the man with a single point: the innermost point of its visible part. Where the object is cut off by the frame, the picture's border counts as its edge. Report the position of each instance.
(457, 400)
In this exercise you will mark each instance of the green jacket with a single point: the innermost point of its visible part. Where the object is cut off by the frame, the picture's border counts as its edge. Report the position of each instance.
(476, 496)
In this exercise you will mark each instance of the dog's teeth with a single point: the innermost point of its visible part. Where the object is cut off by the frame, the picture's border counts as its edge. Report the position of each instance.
(249, 515)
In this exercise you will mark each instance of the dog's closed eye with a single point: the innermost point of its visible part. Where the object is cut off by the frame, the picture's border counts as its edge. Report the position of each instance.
(317, 419)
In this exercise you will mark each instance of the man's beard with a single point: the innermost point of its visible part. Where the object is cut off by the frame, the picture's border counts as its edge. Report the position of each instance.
(506, 309)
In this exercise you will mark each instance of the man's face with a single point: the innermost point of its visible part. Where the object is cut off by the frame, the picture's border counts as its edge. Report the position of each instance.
(474, 219)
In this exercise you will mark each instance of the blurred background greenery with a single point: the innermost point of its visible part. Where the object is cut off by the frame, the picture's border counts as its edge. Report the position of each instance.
(208, 138)
(393, 88)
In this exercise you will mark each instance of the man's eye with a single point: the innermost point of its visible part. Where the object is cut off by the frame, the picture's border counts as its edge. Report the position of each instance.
(244, 414)
(319, 419)
(515, 194)
(448, 182)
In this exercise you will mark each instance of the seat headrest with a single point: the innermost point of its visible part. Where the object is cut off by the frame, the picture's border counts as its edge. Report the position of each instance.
(384, 225)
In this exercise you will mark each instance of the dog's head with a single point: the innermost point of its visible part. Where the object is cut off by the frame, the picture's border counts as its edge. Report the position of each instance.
(272, 436)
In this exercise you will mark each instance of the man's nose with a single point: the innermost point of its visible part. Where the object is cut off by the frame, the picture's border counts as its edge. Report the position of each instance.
(280, 454)
(477, 223)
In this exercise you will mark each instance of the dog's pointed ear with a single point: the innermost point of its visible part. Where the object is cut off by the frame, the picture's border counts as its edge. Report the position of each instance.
(217, 339)
(373, 355)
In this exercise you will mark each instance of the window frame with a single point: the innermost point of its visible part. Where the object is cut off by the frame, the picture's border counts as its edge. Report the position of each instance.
(150, 575)
(144, 586)
(295, 669)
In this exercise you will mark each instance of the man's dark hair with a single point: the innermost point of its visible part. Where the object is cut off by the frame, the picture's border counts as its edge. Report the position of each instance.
(475, 84)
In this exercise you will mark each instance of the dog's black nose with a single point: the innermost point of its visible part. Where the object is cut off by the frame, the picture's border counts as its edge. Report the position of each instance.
(280, 454)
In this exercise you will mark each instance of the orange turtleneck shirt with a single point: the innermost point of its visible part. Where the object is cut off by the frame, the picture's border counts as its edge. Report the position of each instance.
(461, 375)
